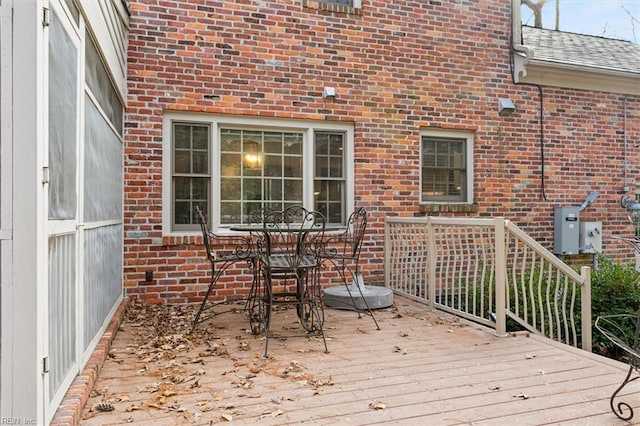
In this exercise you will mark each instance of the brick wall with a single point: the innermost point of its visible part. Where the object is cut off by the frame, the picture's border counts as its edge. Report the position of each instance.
(398, 66)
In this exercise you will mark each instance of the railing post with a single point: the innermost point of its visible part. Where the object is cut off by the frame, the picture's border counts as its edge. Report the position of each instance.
(387, 254)
(431, 258)
(501, 278)
(585, 303)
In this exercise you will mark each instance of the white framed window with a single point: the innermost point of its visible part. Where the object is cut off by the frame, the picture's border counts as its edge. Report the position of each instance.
(342, 6)
(446, 166)
(229, 166)
(356, 4)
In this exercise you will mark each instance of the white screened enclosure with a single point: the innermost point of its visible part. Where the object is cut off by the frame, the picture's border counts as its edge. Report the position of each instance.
(62, 193)
(85, 126)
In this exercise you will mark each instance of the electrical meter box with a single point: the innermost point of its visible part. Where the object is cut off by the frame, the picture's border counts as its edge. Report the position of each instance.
(566, 230)
(590, 237)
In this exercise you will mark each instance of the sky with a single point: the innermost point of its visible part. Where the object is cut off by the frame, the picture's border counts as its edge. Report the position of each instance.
(605, 18)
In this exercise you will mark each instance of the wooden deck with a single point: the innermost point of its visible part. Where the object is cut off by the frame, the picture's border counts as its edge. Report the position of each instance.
(420, 368)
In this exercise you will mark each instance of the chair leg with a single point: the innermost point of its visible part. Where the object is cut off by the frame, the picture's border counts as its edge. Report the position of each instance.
(356, 281)
(342, 270)
(197, 321)
(258, 308)
(622, 406)
(267, 303)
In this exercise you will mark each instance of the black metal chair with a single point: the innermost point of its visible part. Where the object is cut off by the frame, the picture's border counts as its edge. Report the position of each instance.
(623, 331)
(222, 251)
(256, 308)
(343, 252)
(289, 270)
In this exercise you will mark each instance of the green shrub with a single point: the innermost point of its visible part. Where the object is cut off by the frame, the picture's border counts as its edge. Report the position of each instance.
(615, 290)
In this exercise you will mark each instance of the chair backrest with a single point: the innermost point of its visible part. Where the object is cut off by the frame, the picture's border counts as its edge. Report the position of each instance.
(293, 234)
(202, 219)
(356, 227)
(229, 248)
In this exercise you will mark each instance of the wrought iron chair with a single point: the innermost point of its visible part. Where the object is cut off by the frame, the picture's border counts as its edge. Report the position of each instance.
(617, 328)
(289, 267)
(623, 330)
(343, 251)
(222, 251)
(256, 308)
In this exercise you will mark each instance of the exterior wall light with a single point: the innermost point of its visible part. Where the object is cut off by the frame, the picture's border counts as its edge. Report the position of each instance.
(506, 106)
(329, 93)
(633, 208)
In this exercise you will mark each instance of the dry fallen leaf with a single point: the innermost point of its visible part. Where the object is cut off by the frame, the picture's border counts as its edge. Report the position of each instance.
(274, 414)
(400, 350)
(104, 407)
(378, 405)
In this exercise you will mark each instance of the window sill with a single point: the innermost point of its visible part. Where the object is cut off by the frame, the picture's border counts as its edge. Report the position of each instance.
(331, 7)
(448, 208)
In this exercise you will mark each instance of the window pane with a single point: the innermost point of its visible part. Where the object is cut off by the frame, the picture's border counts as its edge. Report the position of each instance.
(201, 138)
(293, 190)
(230, 213)
(230, 165)
(261, 160)
(230, 140)
(182, 136)
(330, 182)
(272, 165)
(182, 187)
(292, 144)
(273, 190)
(63, 111)
(252, 189)
(273, 143)
(200, 162)
(344, 2)
(191, 144)
(102, 167)
(292, 166)
(98, 80)
(182, 214)
(191, 180)
(230, 188)
(182, 162)
(443, 169)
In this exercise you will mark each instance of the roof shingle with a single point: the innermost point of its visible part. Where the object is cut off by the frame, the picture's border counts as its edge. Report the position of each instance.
(582, 50)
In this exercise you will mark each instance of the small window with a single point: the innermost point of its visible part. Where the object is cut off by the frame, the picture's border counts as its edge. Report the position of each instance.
(343, 6)
(446, 172)
(330, 182)
(190, 173)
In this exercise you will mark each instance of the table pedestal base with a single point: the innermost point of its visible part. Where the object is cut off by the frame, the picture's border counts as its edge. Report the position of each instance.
(374, 296)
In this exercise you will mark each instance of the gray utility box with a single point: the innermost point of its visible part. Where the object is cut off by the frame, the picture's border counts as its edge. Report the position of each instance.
(566, 230)
(590, 237)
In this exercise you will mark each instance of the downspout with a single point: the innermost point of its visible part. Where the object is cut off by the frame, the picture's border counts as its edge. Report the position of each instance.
(526, 53)
(625, 182)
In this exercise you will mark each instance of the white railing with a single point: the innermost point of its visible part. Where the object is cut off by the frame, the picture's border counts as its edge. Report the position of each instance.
(488, 270)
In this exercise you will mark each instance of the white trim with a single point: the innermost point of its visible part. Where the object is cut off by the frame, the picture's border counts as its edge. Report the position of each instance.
(528, 69)
(454, 134)
(307, 127)
(109, 22)
(555, 74)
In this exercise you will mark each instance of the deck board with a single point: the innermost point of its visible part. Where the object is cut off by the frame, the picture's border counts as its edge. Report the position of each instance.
(421, 368)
